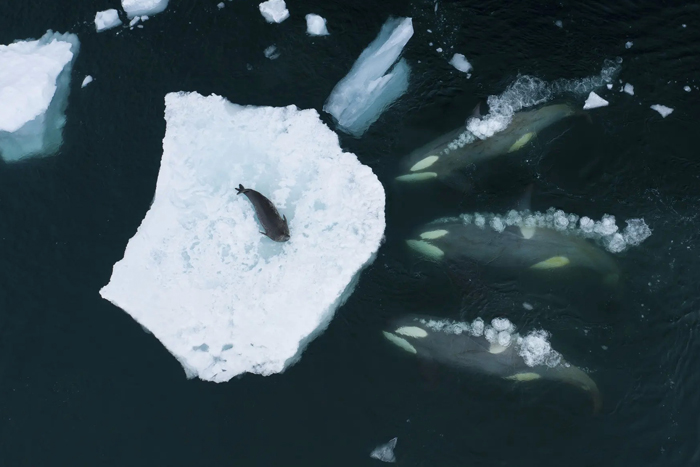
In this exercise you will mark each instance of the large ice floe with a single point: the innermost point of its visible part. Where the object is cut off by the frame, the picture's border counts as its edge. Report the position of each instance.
(604, 232)
(34, 85)
(198, 274)
(374, 82)
(143, 7)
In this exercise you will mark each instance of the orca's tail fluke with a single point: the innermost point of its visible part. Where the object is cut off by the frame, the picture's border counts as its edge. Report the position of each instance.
(240, 189)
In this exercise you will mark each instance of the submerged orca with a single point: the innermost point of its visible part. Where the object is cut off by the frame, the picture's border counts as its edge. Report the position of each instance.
(447, 156)
(456, 346)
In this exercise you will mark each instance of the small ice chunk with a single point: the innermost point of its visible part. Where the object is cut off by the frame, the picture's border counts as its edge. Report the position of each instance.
(34, 86)
(88, 79)
(271, 52)
(220, 5)
(629, 89)
(143, 7)
(686, 88)
(107, 19)
(527, 306)
(133, 21)
(385, 452)
(198, 271)
(594, 101)
(460, 62)
(316, 25)
(559, 24)
(144, 18)
(636, 231)
(274, 11)
(359, 98)
(628, 45)
(438, 50)
(662, 109)
(609, 85)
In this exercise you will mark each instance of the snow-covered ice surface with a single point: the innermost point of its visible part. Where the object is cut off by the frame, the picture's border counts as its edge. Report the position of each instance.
(460, 62)
(106, 20)
(143, 7)
(88, 79)
(221, 297)
(385, 452)
(34, 86)
(662, 109)
(594, 101)
(534, 348)
(369, 88)
(316, 25)
(274, 11)
(604, 232)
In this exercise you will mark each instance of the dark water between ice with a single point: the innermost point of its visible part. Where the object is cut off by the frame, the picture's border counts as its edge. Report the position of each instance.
(82, 384)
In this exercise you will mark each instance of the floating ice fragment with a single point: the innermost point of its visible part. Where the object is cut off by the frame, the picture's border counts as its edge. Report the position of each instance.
(316, 25)
(438, 50)
(662, 109)
(527, 306)
(34, 86)
(107, 19)
(133, 21)
(274, 11)
(198, 272)
(271, 52)
(385, 452)
(220, 5)
(594, 101)
(460, 62)
(629, 89)
(359, 98)
(143, 7)
(686, 88)
(609, 85)
(88, 79)
(628, 45)
(559, 24)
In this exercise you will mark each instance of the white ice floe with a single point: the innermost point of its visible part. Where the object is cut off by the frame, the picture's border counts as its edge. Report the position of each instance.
(34, 86)
(461, 63)
(359, 98)
(274, 11)
(271, 52)
(107, 19)
(88, 79)
(604, 232)
(594, 101)
(316, 25)
(143, 7)
(385, 452)
(221, 297)
(686, 88)
(629, 89)
(534, 348)
(662, 109)
(628, 45)
(220, 5)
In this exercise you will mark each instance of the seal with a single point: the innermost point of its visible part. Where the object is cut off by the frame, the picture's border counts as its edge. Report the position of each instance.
(275, 226)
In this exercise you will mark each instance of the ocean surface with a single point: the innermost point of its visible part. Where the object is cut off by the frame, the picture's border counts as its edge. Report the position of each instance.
(82, 384)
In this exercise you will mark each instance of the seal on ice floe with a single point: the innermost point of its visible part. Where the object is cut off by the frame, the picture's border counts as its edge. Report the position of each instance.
(275, 226)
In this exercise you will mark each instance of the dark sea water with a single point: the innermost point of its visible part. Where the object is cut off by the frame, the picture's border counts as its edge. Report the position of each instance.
(82, 384)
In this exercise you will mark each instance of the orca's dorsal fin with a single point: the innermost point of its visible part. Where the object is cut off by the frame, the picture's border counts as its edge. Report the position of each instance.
(525, 202)
(476, 113)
